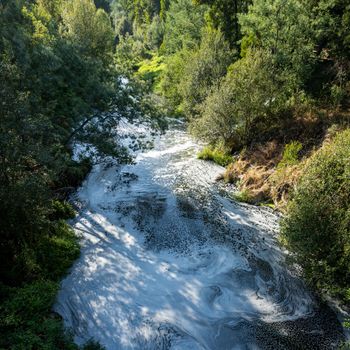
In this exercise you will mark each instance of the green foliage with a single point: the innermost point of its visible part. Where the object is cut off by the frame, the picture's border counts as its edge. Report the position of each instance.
(52, 78)
(150, 70)
(183, 26)
(216, 155)
(338, 94)
(25, 319)
(92, 345)
(103, 4)
(332, 20)
(290, 154)
(246, 102)
(144, 10)
(56, 62)
(72, 175)
(56, 252)
(171, 79)
(243, 196)
(155, 32)
(283, 28)
(190, 75)
(62, 210)
(129, 54)
(347, 323)
(88, 27)
(122, 15)
(223, 15)
(345, 346)
(203, 70)
(32, 300)
(317, 224)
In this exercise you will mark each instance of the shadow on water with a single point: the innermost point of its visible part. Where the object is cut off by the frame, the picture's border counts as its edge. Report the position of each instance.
(169, 263)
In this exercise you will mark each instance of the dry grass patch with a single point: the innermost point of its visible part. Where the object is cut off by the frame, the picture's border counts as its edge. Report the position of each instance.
(252, 170)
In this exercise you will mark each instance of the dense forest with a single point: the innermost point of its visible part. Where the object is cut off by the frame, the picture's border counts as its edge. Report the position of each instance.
(264, 83)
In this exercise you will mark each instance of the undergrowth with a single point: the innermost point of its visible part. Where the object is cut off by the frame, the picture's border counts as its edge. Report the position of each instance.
(243, 196)
(215, 155)
(26, 318)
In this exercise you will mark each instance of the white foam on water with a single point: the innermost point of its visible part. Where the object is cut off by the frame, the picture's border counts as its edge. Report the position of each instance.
(168, 262)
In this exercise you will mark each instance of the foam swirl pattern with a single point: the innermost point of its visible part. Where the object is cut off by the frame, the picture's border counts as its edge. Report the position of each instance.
(170, 262)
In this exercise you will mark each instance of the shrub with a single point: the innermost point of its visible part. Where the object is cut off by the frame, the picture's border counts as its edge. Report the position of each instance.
(57, 252)
(215, 155)
(26, 322)
(231, 174)
(62, 210)
(317, 225)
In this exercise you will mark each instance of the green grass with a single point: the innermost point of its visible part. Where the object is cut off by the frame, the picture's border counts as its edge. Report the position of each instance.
(290, 154)
(268, 205)
(215, 155)
(243, 196)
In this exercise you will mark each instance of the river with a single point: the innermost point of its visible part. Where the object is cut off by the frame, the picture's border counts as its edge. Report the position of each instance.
(169, 261)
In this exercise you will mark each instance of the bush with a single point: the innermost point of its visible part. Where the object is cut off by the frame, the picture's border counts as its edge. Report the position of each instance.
(26, 321)
(215, 155)
(62, 210)
(57, 252)
(317, 225)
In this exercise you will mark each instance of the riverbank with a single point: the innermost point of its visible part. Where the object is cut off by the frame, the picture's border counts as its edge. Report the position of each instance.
(303, 183)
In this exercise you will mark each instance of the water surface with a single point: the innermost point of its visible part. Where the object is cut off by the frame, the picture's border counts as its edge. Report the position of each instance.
(170, 262)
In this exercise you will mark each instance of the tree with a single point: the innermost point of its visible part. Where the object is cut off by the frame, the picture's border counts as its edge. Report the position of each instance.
(203, 70)
(284, 28)
(331, 22)
(246, 102)
(144, 10)
(223, 15)
(123, 16)
(155, 33)
(103, 4)
(88, 27)
(183, 26)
